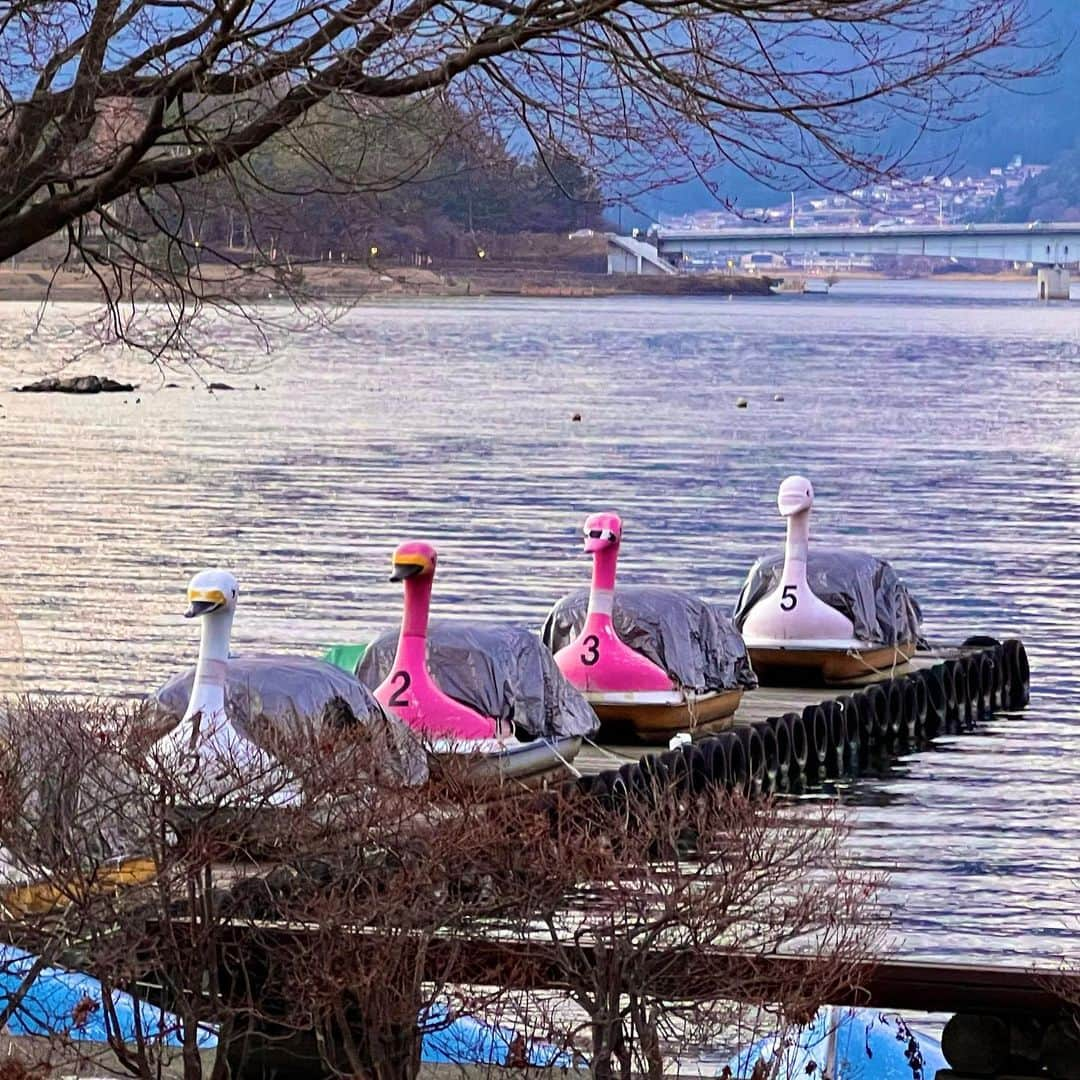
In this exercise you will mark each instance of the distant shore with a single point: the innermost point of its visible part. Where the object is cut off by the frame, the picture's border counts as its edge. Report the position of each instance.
(880, 275)
(34, 284)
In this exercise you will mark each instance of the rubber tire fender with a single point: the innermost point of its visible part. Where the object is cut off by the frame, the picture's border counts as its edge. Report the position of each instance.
(936, 701)
(987, 681)
(739, 779)
(782, 733)
(909, 711)
(957, 676)
(972, 664)
(657, 780)
(718, 762)
(800, 746)
(995, 650)
(834, 758)
(770, 754)
(921, 709)
(678, 773)
(698, 768)
(849, 710)
(755, 757)
(894, 709)
(879, 702)
(817, 741)
(1016, 662)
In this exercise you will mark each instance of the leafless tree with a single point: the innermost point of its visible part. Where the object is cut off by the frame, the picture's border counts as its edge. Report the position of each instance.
(302, 930)
(677, 940)
(122, 122)
(327, 929)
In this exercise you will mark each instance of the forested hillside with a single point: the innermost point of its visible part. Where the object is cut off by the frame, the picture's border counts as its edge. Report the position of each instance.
(1052, 196)
(425, 178)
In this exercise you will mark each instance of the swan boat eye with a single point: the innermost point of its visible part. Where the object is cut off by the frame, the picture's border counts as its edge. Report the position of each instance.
(600, 534)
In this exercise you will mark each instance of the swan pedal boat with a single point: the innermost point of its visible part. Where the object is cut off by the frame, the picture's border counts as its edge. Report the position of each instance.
(229, 717)
(496, 759)
(834, 663)
(487, 745)
(529, 762)
(44, 894)
(656, 715)
(623, 686)
(793, 636)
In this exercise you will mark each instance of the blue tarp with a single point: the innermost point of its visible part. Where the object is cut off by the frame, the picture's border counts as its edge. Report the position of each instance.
(869, 1045)
(467, 1041)
(70, 1003)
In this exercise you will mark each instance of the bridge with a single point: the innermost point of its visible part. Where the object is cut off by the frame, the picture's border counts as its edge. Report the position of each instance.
(1051, 246)
(629, 255)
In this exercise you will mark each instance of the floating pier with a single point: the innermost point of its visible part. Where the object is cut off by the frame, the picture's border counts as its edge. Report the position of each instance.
(789, 740)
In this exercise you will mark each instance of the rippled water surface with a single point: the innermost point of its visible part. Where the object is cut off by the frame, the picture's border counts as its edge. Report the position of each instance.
(939, 424)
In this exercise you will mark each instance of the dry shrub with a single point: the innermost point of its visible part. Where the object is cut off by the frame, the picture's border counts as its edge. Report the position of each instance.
(326, 929)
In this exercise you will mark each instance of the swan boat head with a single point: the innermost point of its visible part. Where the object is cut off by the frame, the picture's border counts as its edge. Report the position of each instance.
(212, 596)
(601, 532)
(414, 558)
(796, 494)
(210, 591)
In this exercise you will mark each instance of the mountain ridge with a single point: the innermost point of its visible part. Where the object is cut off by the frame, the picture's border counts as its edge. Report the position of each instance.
(1038, 120)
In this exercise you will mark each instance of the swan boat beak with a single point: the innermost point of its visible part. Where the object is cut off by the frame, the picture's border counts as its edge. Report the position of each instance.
(408, 566)
(203, 601)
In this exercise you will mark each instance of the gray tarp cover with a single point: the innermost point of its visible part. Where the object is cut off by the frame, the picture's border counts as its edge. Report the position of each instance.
(293, 697)
(691, 639)
(859, 585)
(501, 671)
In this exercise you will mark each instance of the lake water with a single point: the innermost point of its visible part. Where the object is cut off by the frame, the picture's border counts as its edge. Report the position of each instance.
(940, 425)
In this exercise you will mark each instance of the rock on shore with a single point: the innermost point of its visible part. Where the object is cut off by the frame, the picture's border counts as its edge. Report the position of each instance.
(75, 384)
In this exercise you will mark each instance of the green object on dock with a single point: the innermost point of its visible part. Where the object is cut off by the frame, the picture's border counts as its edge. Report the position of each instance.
(345, 657)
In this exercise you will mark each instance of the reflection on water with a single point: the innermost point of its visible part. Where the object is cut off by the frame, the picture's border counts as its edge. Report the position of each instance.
(940, 425)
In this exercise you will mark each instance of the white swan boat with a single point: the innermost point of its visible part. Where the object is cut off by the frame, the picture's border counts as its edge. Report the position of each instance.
(792, 634)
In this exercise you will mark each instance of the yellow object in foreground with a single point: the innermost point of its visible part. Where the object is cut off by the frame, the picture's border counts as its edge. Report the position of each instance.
(42, 897)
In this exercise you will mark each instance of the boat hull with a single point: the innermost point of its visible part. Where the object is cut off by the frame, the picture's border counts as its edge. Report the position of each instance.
(652, 722)
(830, 667)
(530, 763)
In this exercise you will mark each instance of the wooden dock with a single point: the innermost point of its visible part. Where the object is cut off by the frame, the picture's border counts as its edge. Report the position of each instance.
(939, 691)
(1006, 1021)
(695, 975)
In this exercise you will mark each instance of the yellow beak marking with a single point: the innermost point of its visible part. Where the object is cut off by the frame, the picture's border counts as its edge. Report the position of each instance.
(206, 596)
(410, 560)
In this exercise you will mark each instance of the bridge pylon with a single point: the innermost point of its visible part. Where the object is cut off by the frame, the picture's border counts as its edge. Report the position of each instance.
(1053, 283)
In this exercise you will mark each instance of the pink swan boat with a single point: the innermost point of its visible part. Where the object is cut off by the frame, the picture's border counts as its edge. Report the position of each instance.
(620, 683)
(410, 693)
(792, 633)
